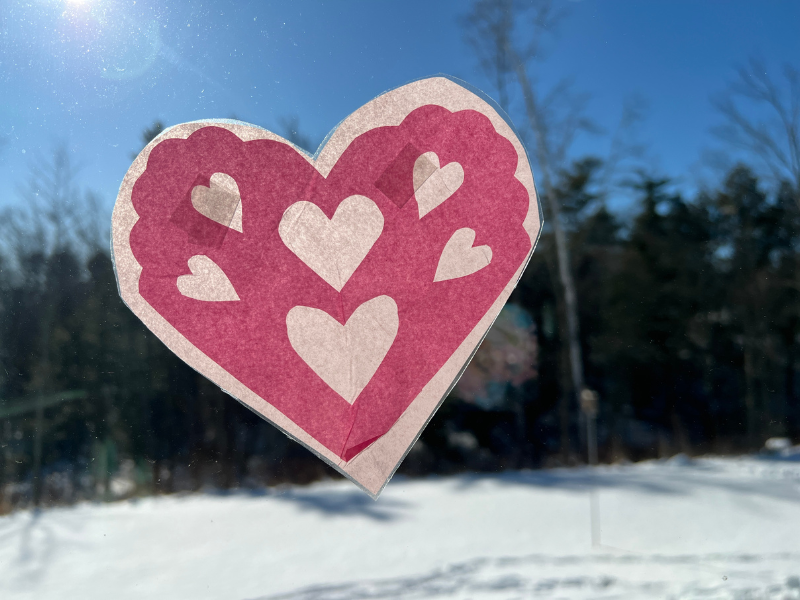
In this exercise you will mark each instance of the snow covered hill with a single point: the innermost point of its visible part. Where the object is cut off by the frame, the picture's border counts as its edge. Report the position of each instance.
(712, 528)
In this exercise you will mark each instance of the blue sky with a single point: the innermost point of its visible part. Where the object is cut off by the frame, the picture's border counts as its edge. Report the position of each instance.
(92, 74)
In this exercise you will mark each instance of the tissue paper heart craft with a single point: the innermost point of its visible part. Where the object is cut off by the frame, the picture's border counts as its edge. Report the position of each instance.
(459, 258)
(432, 184)
(344, 356)
(338, 295)
(220, 202)
(207, 282)
(332, 248)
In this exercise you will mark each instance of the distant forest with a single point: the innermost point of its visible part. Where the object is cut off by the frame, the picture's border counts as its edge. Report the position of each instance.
(681, 313)
(689, 328)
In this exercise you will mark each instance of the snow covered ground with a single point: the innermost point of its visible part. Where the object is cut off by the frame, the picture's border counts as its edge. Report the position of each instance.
(712, 528)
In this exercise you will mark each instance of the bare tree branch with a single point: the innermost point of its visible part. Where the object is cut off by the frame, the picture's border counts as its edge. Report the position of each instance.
(774, 138)
(54, 215)
(623, 147)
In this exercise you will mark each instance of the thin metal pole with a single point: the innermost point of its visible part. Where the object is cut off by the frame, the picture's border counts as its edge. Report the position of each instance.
(37, 452)
(589, 407)
(594, 498)
(591, 438)
(594, 516)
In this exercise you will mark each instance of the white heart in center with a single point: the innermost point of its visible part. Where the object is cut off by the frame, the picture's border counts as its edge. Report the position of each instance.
(332, 248)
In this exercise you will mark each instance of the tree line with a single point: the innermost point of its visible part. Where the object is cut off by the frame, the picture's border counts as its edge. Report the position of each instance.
(689, 332)
(681, 313)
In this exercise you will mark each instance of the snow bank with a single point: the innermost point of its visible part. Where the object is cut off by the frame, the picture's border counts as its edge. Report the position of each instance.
(709, 528)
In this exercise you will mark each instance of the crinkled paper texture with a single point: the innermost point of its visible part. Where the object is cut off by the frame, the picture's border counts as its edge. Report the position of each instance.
(401, 356)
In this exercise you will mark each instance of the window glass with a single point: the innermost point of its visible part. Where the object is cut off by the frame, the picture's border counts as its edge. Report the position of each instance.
(629, 427)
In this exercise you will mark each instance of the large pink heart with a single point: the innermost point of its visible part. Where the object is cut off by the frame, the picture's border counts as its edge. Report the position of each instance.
(346, 333)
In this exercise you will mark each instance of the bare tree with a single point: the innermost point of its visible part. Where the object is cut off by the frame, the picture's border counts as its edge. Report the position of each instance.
(54, 218)
(507, 54)
(54, 214)
(762, 117)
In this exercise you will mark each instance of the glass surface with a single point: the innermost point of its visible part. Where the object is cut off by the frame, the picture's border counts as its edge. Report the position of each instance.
(665, 142)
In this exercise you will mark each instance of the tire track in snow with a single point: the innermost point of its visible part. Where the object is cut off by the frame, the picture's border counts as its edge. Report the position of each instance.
(630, 576)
